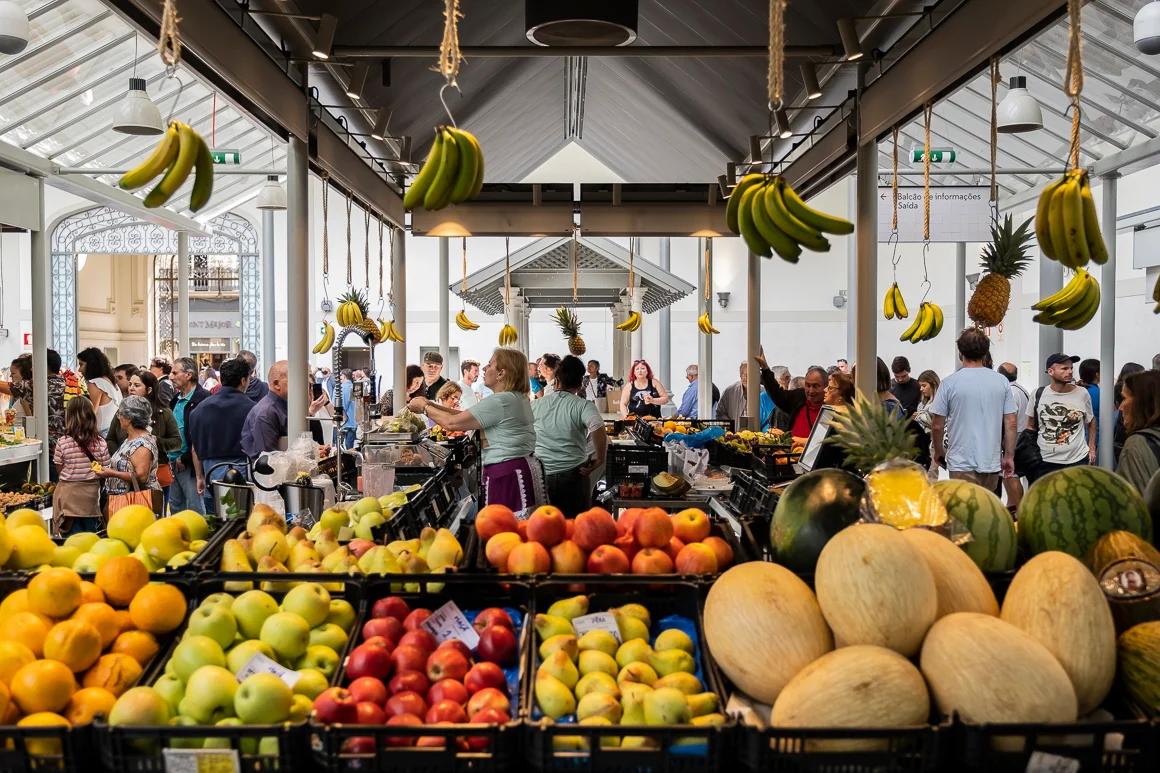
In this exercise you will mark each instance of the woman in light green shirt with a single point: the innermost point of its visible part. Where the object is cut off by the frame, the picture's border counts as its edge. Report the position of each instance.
(564, 423)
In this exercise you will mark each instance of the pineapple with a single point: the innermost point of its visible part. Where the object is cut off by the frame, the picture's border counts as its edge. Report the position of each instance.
(880, 446)
(1004, 259)
(570, 327)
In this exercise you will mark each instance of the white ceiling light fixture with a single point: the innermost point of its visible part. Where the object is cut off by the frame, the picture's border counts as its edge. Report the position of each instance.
(1019, 111)
(272, 196)
(382, 118)
(14, 29)
(1146, 29)
(324, 40)
(851, 45)
(137, 114)
(783, 128)
(810, 79)
(358, 81)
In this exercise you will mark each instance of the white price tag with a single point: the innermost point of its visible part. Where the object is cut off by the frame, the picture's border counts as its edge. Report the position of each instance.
(597, 621)
(447, 622)
(201, 760)
(1042, 762)
(260, 664)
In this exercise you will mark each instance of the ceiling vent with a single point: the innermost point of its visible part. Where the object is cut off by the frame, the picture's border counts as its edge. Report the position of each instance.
(581, 22)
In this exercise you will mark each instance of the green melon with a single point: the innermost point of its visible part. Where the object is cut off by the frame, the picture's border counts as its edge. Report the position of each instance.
(813, 508)
(1070, 509)
(1138, 654)
(993, 543)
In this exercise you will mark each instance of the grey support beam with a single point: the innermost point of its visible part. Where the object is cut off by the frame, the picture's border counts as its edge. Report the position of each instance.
(705, 343)
(297, 285)
(960, 292)
(753, 343)
(665, 361)
(268, 348)
(183, 294)
(399, 290)
(1050, 338)
(1105, 423)
(866, 278)
(41, 332)
(339, 53)
(445, 304)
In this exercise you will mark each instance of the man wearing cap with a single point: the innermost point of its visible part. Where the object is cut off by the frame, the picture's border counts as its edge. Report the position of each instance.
(1062, 414)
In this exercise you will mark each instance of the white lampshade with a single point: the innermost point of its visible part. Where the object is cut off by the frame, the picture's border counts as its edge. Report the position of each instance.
(1019, 111)
(1146, 29)
(137, 114)
(273, 195)
(14, 30)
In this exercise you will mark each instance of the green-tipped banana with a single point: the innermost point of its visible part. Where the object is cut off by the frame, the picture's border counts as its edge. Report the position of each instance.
(774, 202)
(157, 162)
(478, 186)
(938, 320)
(782, 243)
(203, 176)
(732, 206)
(438, 195)
(1091, 225)
(812, 217)
(1072, 208)
(468, 170)
(748, 228)
(1043, 220)
(888, 310)
(178, 171)
(418, 190)
(1057, 228)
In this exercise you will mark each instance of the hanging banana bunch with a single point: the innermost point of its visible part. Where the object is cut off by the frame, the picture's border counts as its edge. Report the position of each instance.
(893, 305)
(1066, 224)
(327, 340)
(461, 319)
(631, 324)
(352, 308)
(388, 331)
(452, 173)
(771, 217)
(927, 324)
(706, 326)
(180, 151)
(508, 335)
(1073, 306)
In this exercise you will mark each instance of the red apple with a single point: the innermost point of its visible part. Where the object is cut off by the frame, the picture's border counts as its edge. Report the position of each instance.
(484, 675)
(408, 720)
(547, 526)
(369, 660)
(498, 548)
(382, 642)
(361, 744)
(691, 525)
(497, 644)
(458, 646)
(335, 705)
(359, 546)
(403, 681)
(567, 558)
(492, 616)
(627, 520)
(607, 559)
(652, 561)
(489, 697)
(433, 741)
(447, 663)
(490, 716)
(371, 713)
(529, 558)
(722, 550)
(367, 689)
(493, 520)
(387, 627)
(391, 606)
(653, 528)
(626, 544)
(522, 530)
(408, 657)
(446, 711)
(447, 690)
(696, 558)
(674, 547)
(421, 638)
(594, 528)
(415, 619)
(406, 703)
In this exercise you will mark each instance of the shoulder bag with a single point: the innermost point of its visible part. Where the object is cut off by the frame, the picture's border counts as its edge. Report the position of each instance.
(1027, 455)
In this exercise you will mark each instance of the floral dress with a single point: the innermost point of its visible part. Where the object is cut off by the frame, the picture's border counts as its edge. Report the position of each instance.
(122, 462)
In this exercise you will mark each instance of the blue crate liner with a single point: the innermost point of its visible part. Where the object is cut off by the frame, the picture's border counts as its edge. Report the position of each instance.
(511, 673)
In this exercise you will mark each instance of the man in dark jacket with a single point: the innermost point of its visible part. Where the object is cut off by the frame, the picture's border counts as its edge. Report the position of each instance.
(257, 388)
(802, 405)
(188, 394)
(215, 428)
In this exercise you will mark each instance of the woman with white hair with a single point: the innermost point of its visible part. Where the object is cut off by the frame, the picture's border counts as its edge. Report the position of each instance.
(131, 474)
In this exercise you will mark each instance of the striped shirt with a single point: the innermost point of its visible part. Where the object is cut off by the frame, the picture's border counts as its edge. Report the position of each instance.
(73, 463)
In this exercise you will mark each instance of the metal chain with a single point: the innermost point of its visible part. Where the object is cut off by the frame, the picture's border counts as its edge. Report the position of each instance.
(349, 271)
(325, 226)
(463, 282)
(894, 185)
(367, 247)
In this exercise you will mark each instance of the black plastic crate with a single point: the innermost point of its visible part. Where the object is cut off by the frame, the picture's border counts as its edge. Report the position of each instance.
(350, 748)
(676, 748)
(1117, 746)
(838, 750)
(635, 464)
(46, 749)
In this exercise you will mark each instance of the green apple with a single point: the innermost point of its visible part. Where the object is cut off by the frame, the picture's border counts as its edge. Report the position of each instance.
(247, 745)
(184, 742)
(270, 541)
(209, 695)
(366, 524)
(109, 547)
(251, 610)
(333, 519)
(310, 683)
(198, 527)
(215, 621)
(224, 599)
(310, 601)
(268, 746)
(65, 556)
(330, 635)
(140, 706)
(171, 688)
(89, 562)
(128, 523)
(241, 654)
(393, 501)
(263, 699)
(341, 614)
(84, 541)
(288, 634)
(365, 506)
(151, 563)
(318, 657)
(193, 652)
(181, 559)
(164, 539)
(300, 708)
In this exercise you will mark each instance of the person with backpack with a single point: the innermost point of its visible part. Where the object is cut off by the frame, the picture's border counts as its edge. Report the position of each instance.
(1140, 458)
(79, 455)
(1061, 414)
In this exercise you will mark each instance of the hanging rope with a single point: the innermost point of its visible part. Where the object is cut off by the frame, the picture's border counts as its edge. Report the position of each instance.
(168, 38)
(325, 226)
(367, 247)
(708, 270)
(507, 270)
(391, 270)
(575, 264)
(894, 184)
(927, 109)
(349, 270)
(381, 260)
(994, 131)
(463, 282)
(1073, 76)
(776, 75)
(449, 55)
(631, 271)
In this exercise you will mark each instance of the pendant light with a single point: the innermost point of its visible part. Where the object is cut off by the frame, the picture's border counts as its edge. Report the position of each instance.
(1019, 111)
(272, 196)
(14, 29)
(1146, 29)
(137, 114)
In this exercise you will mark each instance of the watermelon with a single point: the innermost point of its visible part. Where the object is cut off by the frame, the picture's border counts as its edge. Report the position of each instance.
(1118, 545)
(813, 508)
(993, 544)
(1070, 509)
(1138, 653)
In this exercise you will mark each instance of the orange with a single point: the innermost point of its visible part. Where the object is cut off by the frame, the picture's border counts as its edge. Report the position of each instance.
(13, 657)
(124, 621)
(5, 698)
(120, 578)
(75, 643)
(90, 593)
(43, 685)
(102, 617)
(55, 592)
(88, 703)
(14, 602)
(139, 645)
(28, 628)
(43, 747)
(158, 608)
(11, 714)
(115, 672)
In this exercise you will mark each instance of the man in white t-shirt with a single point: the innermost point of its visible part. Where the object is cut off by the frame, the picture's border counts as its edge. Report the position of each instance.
(468, 375)
(1064, 418)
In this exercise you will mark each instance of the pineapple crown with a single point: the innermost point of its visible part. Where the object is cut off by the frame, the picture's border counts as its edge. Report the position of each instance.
(358, 297)
(566, 319)
(1006, 254)
(871, 435)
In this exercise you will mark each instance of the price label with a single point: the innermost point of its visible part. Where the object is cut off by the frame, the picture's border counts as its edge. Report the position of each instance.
(447, 622)
(597, 621)
(260, 664)
(1042, 762)
(201, 761)
(637, 469)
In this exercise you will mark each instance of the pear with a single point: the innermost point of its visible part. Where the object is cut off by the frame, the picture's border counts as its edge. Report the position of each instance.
(716, 719)
(324, 542)
(302, 553)
(234, 559)
(685, 682)
(633, 651)
(606, 741)
(702, 703)
(637, 672)
(672, 662)
(599, 704)
(267, 565)
(412, 563)
(426, 539)
(637, 611)
(400, 546)
(553, 696)
(600, 640)
(597, 681)
(674, 639)
(379, 560)
(269, 541)
(548, 626)
(264, 516)
(569, 608)
(595, 660)
(334, 558)
(562, 641)
(445, 551)
(632, 697)
(630, 627)
(559, 665)
(666, 706)
(297, 534)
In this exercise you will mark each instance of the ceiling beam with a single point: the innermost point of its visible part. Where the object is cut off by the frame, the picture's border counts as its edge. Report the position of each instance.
(553, 52)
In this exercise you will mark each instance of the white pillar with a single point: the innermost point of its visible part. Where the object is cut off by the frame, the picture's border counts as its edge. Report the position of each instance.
(852, 274)
(444, 303)
(269, 350)
(183, 294)
(399, 290)
(960, 294)
(525, 328)
(753, 343)
(704, 342)
(866, 276)
(1105, 425)
(1050, 337)
(41, 310)
(297, 285)
(618, 365)
(664, 317)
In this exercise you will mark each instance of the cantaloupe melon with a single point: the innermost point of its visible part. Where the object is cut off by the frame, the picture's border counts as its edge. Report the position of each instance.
(858, 687)
(959, 581)
(1059, 603)
(763, 625)
(875, 588)
(990, 671)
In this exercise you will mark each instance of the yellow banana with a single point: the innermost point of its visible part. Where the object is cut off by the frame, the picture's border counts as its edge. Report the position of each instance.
(438, 195)
(1065, 297)
(466, 174)
(157, 162)
(1072, 208)
(706, 326)
(927, 324)
(1058, 229)
(327, 340)
(507, 335)
(178, 171)
(888, 302)
(463, 323)
(203, 176)
(477, 186)
(393, 333)
(1156, 291)
(812, 217)
(631, 324)
(422, 182)
(748, 229)
(899, 304)
(1084, 309)
(1043, 220)
(732, 206)
(1091, 224)
(782, 243)
(774, 202)
(908, 334)
(938, 320)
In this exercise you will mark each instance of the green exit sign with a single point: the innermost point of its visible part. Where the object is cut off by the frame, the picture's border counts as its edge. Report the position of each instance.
(937, 155)
(227, 157)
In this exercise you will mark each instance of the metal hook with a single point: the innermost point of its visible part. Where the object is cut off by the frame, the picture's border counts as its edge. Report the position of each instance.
(443, 88)
(171, 72)
(894, 256)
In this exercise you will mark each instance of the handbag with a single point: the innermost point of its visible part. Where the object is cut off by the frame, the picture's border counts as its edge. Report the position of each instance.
(147, 498)
(1027, 454)
(164, 475)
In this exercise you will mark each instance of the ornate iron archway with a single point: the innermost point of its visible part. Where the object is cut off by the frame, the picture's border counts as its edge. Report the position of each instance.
(104, 230)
